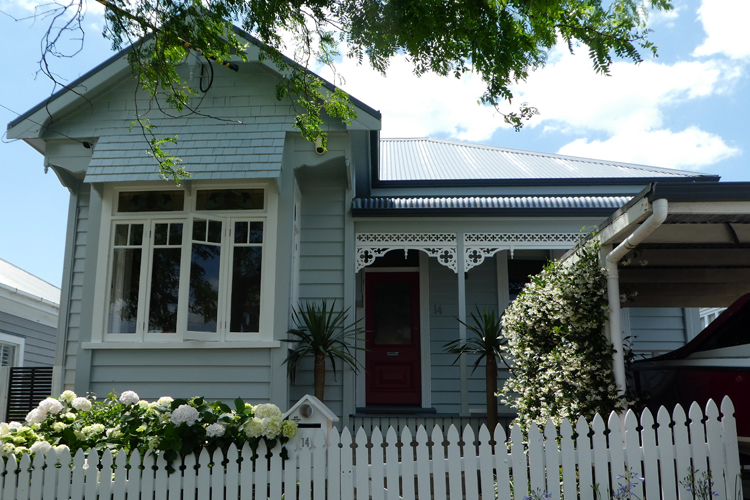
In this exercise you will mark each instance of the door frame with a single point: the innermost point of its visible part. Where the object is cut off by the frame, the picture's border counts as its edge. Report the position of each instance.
(424, 326)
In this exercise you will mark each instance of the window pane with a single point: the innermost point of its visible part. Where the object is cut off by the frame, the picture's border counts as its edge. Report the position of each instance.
(165, 285)
(123, 297)
(199, 230)
(175, 234)
(214, 231)
(161, 234)
(229, 199)
(256, 232)
(136, 234)
(151, 201)
(121, 234)
(392, 313)
(245, 312)
(7, 354)
(240, 232)
(204, 288)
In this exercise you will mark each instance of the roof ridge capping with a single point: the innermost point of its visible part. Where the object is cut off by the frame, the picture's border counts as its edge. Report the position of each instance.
(476, 145)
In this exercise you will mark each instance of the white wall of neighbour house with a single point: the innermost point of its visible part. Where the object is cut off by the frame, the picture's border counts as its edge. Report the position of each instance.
(214, 370)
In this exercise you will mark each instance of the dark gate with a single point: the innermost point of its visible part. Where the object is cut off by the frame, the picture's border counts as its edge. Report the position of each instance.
(26, 388)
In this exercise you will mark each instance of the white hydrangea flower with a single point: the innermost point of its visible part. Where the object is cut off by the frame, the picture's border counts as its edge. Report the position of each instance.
(40, 446)
(70, 416)
(253, 428)
(36, 416)
(215, 430)
(15, 425)
(93, 429)
(153, 443)
(184, 414)
(81, 404)
(61, 447)
(129, 398)
(59, 426)
(51, 405)
(165, 400)
(288, 429)
(272, 427)
(4, 429)
(143, 404)
(7, 449)
(68, 396)
(267, 410)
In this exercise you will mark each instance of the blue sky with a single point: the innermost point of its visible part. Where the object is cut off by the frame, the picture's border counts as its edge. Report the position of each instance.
(687, 109)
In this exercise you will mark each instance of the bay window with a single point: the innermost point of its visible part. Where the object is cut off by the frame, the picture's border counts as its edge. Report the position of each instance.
(186, 266)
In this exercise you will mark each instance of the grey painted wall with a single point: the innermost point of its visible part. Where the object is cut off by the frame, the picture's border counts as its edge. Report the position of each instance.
(39, 340)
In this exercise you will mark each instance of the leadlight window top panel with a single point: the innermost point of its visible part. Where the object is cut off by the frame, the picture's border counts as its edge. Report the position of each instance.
(150, 201)
(230, 199)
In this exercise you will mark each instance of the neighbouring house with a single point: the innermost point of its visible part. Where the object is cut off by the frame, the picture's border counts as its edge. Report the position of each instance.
(188, 290)
(28, 338)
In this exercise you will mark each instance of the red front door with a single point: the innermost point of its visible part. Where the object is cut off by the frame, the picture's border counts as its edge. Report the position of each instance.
(394, 372)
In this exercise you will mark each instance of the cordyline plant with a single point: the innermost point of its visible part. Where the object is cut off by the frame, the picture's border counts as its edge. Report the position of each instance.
(562, 362)
(170, 427)
(322, 332)
(487, 342)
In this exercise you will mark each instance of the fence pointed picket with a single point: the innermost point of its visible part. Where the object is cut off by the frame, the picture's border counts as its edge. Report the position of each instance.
(666, 454)
(64, 474)
(37, 477)
(438, 464)
(319, 465)
(716, 455)
(536, 460)
(377, 477)
(246, 473)
(160, 477)
(650, 455)
(147, 476)
(189, 474)
(520, 464)
(275, 474)
(407, 464)
(361, 474)
(585, 460)
(423, 465)
(217, 472)
(682, 449)
(92, 476)
(347, 469)
(729, 428)
(11, 478)
(552, 460)
(486, 480)
(50, 475)
(633, 452)
(203, 478)
(470, 463)
(260, 478)
(601, 460)
(568, 461)
(121, 476)
(233, 472)
(134, 475)
(290, 471)
(174, 480)
(24, 478)
(334, 465)
(304, 462)
(392, 465)
(698, 438)
(616, 452)
(105, 475)
(454, 464)
(502, 464)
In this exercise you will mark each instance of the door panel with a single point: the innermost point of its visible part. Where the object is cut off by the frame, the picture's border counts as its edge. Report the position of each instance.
(393, 359)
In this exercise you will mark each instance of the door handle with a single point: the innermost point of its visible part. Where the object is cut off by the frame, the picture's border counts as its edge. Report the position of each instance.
(393, 353)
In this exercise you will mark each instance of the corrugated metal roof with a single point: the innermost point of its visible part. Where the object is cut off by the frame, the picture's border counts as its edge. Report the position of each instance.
(16, 278)
(363, 206)
(430, 159)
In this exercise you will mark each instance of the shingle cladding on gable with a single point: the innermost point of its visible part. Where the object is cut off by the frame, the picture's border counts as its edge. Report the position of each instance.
(443, 160)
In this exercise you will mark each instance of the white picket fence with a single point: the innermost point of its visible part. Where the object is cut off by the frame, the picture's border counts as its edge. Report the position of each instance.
(435, 467)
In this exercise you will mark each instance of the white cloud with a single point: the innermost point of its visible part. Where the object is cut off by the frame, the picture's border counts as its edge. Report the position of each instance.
(725, 24)
(689, 149)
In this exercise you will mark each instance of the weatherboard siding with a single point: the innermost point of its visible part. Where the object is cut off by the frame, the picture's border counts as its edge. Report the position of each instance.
(217, 374)
(655, 331)
(39, 339)
(321, 270)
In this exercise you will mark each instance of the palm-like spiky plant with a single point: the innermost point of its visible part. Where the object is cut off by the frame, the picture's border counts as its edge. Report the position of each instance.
(321, 331)
(487, 343)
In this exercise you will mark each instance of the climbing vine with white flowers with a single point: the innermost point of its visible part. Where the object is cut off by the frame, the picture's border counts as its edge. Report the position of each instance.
(555, 336)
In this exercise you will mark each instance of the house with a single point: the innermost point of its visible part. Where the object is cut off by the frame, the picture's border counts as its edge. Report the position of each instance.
(187, 290)
(28, 337)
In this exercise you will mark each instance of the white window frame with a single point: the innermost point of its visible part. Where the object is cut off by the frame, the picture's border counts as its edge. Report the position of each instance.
(19, 343)
(183, 338)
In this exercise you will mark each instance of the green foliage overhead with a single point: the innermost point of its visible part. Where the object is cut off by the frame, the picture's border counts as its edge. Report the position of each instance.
(501, 40)
(554, 332)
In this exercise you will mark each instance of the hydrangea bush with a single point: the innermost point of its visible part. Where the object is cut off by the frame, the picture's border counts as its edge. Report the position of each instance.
(174, 427)
(554, 332)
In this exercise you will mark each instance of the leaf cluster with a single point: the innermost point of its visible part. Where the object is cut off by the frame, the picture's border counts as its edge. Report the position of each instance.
(320, 329)
(487, 340)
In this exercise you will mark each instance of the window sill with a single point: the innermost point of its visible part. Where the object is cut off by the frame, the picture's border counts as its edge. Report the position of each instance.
(193, 344)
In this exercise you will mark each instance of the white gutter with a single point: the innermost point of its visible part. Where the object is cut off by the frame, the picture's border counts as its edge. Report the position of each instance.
(660, 208)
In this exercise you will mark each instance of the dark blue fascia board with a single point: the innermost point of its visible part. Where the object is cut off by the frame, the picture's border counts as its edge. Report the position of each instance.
(701, 192)
(586, 181)
(481, 212)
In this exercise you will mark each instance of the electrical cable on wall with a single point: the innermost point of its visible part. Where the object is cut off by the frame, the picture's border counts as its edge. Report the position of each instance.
(210, 81)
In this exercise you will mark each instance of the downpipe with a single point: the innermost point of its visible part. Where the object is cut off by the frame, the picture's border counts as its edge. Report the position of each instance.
(660, 209)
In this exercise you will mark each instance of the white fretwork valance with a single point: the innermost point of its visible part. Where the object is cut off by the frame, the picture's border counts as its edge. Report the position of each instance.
(479, 246)
(442, 246)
